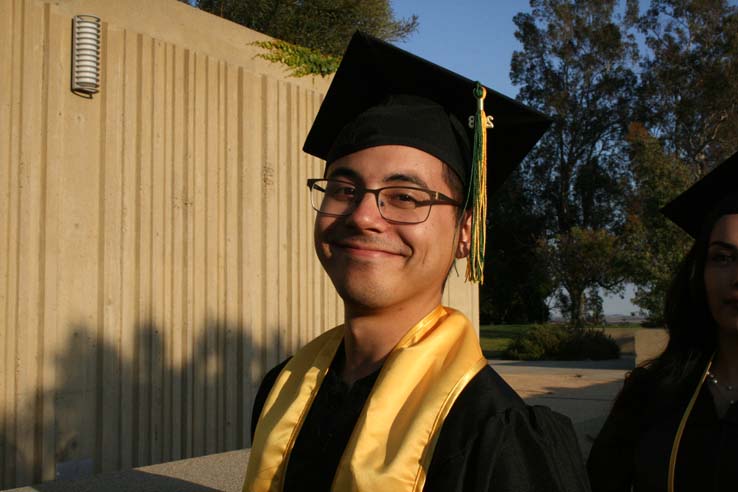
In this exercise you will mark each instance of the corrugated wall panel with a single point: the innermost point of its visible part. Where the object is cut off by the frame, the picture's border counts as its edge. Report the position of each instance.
(10, 101)
(231, 431)
(177, 261)
(127, 248)
(7, 33)
(57, 68)
(253, 246)
(24, 313)
(108, 438)
(156, 244)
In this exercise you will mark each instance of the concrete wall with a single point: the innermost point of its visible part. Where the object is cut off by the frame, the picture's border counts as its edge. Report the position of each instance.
(155, 240)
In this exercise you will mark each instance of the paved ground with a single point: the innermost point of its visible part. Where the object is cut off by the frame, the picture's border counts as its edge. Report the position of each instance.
(218, 472)
(581, 390)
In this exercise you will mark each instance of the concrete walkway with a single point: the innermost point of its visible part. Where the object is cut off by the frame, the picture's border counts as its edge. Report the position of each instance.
(581, 390)
(217, 472)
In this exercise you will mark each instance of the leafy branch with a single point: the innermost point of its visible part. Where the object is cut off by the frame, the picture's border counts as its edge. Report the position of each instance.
(301, 61)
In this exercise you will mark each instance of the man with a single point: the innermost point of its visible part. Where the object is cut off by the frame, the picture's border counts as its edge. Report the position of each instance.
(400, 396)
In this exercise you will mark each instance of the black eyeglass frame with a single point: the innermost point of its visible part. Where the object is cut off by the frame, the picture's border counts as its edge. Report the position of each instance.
(436, 198)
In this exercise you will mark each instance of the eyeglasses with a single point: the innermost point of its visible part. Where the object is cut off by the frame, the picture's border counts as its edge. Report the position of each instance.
(398, 204)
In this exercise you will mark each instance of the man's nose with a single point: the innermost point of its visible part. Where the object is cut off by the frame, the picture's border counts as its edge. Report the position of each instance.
(366, 212)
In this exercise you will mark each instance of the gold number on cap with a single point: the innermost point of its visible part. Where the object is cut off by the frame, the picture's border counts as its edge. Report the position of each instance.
(490, 122)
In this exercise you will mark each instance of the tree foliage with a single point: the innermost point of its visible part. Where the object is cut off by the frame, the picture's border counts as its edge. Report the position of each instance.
(583, 261)
(575, 65)
(633, 127)
(689, 79)
(654, 245)
(687, 116)
(315, 32)
(301, 61)
(517, 284)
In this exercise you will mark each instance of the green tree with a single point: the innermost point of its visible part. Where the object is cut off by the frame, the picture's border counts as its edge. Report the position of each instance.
(654, 245)
(312, 34)
(688, 114)
(688, 93)
(517, 284)
(575, 65)
(584, 261)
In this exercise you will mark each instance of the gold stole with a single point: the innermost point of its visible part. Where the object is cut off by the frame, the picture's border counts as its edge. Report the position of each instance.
(394, 438)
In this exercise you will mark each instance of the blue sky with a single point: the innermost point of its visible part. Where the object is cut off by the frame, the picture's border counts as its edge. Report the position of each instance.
(476, 38)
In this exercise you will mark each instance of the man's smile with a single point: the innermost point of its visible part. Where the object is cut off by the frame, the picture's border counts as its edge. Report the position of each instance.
(365, 248)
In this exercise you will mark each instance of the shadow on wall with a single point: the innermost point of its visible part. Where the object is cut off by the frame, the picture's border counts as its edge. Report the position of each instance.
(11, 459)
(146, 400)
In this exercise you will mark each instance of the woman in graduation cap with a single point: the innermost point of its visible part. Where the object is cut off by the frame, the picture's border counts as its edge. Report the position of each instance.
(674, 426)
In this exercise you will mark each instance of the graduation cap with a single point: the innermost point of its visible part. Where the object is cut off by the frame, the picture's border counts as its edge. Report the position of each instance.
(714, 195)
(383, 95)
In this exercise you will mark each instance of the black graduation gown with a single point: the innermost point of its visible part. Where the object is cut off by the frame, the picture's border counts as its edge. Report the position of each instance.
(634, 445)
(491, 440)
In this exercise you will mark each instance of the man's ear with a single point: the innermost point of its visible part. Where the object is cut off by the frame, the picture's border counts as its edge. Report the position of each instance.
(463, 245)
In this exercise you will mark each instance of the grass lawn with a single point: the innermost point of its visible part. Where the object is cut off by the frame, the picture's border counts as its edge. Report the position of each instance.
(495, 338)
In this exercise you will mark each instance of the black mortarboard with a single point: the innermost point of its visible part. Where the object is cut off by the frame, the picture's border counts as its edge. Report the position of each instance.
(384, 95)
(714, 195)
(372, 71)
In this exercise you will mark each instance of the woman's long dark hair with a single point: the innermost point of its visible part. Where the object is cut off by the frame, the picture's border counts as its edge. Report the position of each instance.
(692, 329)
(692, 336)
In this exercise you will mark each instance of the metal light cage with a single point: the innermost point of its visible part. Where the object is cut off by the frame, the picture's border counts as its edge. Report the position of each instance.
(86, 54)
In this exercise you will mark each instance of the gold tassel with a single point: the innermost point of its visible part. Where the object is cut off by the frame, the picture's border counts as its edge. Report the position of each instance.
(478, 191)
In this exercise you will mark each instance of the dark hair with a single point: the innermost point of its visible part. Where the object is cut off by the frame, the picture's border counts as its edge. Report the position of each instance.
(692, 338)
(692, 329)
(458, 190)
